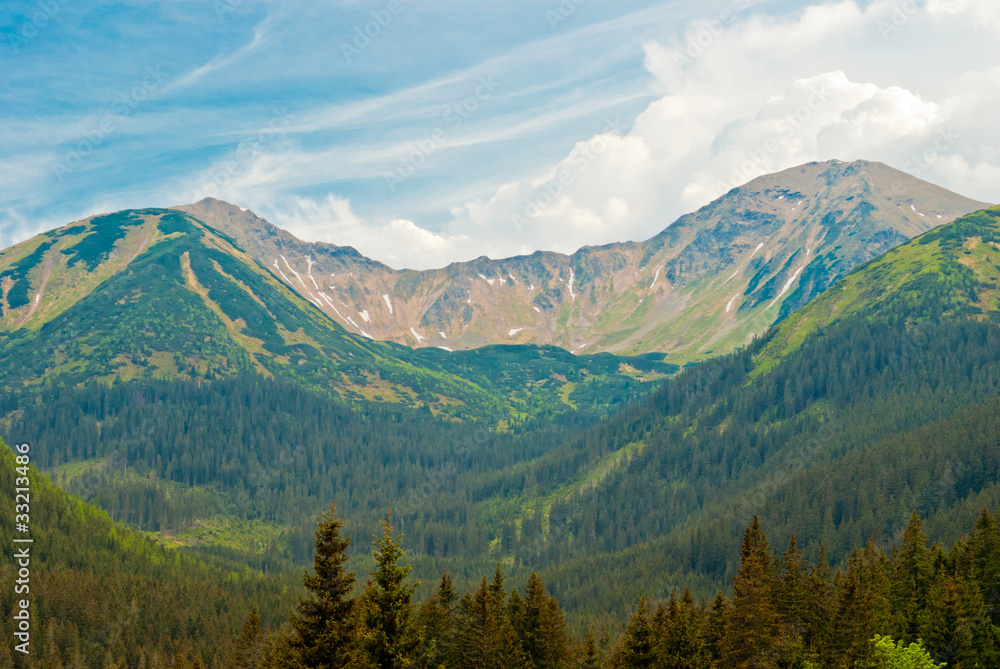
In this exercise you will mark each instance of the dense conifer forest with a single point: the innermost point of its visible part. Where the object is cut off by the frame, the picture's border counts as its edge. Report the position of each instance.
(106, 597)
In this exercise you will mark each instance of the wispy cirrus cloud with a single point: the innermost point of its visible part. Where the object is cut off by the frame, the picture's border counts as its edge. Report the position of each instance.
(650, 108)
(262, 33)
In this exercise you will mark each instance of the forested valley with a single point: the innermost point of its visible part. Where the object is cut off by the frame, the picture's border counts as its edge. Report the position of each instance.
(107, 597)
(863, 433)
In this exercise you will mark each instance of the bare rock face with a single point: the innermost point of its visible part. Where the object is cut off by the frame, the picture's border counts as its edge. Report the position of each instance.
(707, 284)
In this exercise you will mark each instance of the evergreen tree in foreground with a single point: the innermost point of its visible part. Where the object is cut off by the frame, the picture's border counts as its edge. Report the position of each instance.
(324, 628)
(251, 647)
(436, 621)
(390, 638)
(637, 645)
(753, 629)
(541, 627)
(589, 657)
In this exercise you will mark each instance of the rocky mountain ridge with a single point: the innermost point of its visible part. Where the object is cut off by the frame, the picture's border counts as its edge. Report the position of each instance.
(707, 284)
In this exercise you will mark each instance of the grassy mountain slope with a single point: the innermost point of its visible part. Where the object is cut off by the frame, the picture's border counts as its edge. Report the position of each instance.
(956, 265)
(704, 286)
(158, 294)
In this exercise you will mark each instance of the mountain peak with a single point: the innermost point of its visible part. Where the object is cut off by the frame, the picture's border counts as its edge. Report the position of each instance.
(708, 283)
(261, 238)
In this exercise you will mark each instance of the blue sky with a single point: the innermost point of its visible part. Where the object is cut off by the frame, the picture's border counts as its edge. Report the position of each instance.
(459, 128)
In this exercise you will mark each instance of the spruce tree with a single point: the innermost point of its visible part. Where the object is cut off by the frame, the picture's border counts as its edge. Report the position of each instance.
(250, 648)
(501, 636)
(390, 638)
(913, 571)
(53, 658)
(819, 610)
(325, 625)
(754, 630)
(681, 643)
(638, 644)
(947, 633)
(486, 637)
(715, 626)
(863, 606)
(791, 601)
(792, 588)
(542, 627)
(473, 629)
(436, 620)
(985, 546)
(589, 656)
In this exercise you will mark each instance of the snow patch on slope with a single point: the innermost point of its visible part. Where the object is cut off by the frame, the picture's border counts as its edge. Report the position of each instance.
(278, 267)
(759, 247)
(730, 305)
(788, 284)
(657, 277)
(332, 306)
(297, 276)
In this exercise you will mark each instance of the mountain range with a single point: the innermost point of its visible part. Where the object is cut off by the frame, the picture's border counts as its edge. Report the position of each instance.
(165, 370)
(157, 294)
(710, 282)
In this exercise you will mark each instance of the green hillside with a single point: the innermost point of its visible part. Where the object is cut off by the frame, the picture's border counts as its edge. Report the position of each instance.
(951, 270)
(876, 399)
(156, 294)
(104, 596)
